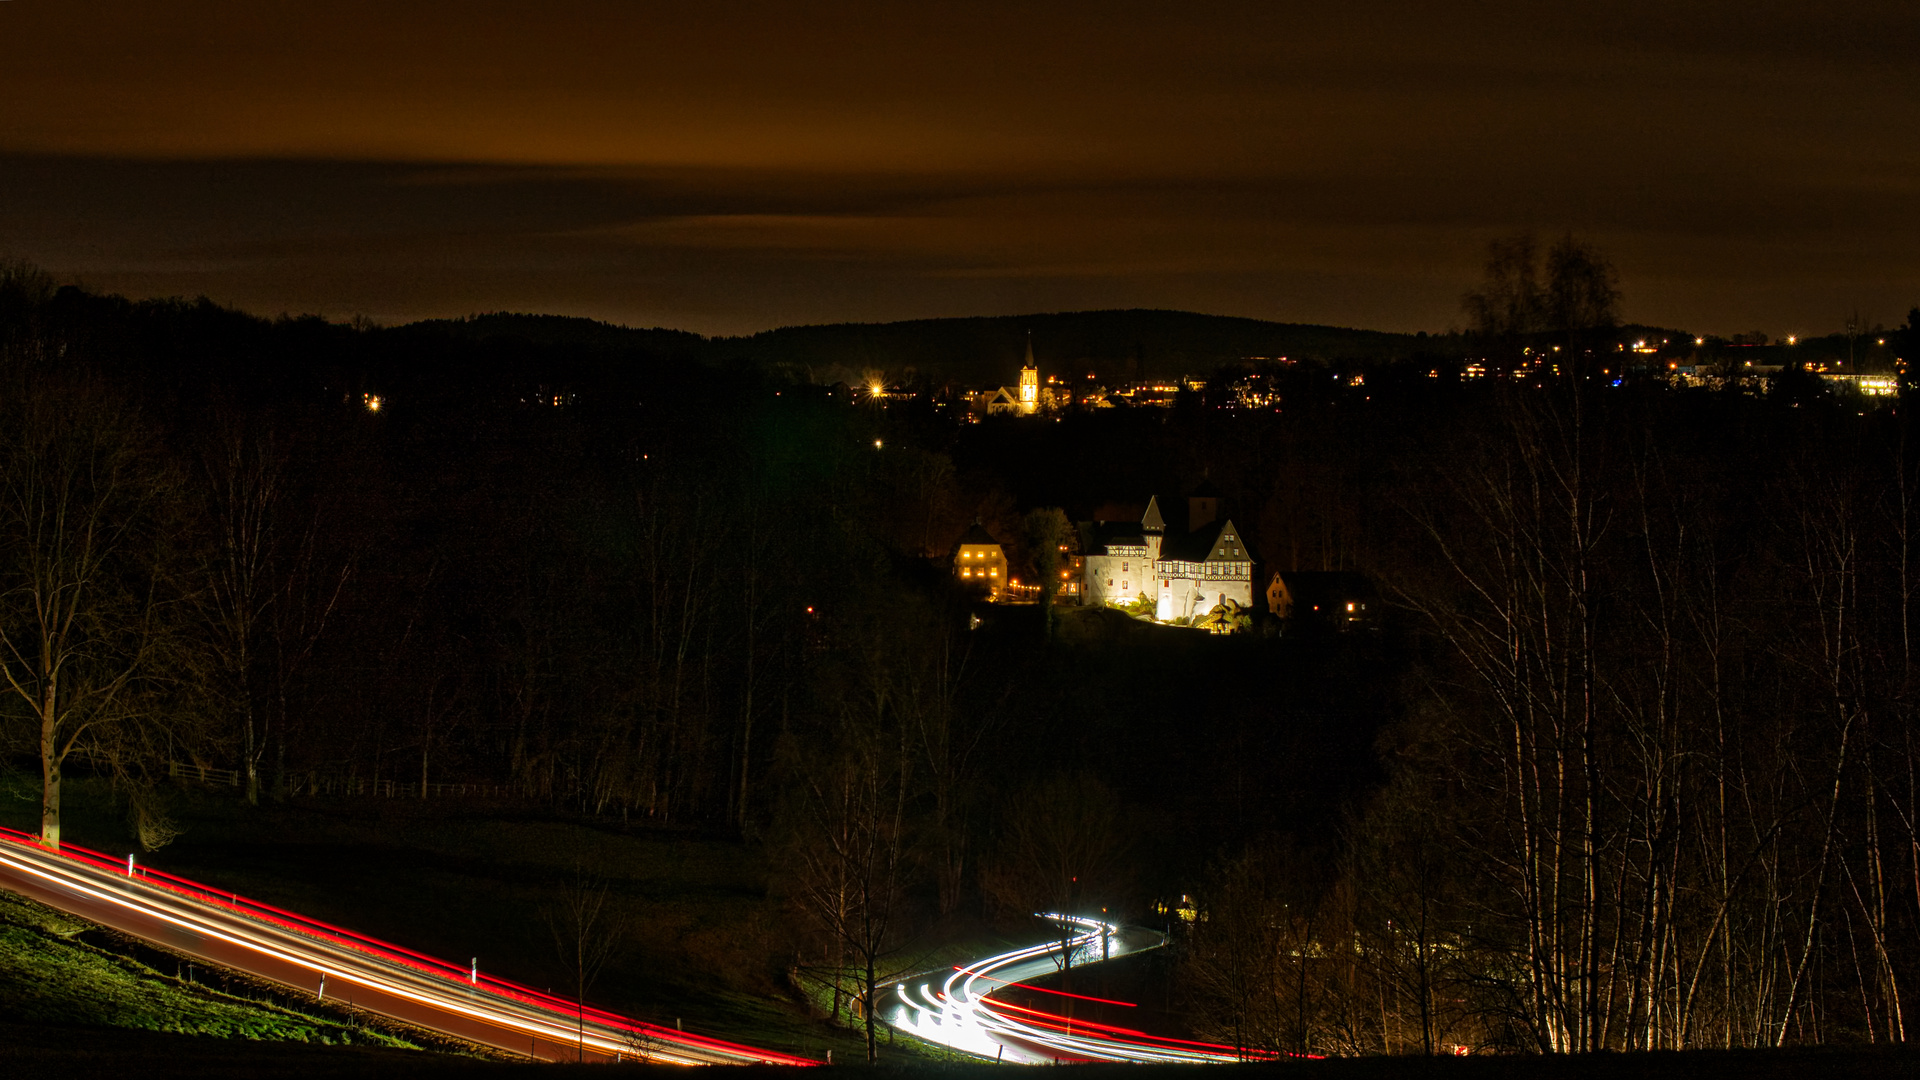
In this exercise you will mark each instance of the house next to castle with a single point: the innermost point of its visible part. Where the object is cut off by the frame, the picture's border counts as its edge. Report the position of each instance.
(1183, 572)
(980, 563)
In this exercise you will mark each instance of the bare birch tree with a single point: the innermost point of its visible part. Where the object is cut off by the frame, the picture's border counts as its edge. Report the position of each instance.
(86, 601)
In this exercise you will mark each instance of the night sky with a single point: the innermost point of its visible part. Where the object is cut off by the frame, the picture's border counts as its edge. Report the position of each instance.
(727, 167)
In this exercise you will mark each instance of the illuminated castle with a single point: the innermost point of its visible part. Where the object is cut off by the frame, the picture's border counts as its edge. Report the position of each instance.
(1181, 573)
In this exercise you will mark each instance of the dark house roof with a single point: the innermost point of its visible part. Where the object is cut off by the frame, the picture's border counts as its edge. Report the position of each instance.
(1206, 545)
(1325, 588)
(1097, 536)
(976, 535)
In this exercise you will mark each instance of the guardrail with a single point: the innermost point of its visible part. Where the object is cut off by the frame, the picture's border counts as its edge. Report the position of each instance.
(568, 1010)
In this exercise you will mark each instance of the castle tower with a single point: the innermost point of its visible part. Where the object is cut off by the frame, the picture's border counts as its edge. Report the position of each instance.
(1029, 383)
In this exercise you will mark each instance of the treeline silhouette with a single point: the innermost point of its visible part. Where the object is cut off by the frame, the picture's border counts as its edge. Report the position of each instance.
(1629, 763)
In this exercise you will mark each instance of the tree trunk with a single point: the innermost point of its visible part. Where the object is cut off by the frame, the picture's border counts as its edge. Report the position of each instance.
(50, 776)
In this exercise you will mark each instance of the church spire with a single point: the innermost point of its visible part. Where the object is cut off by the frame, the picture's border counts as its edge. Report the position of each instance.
(1029, 382)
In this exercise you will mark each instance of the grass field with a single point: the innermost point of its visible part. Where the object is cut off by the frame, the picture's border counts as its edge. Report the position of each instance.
(703, 943)
(56, 970)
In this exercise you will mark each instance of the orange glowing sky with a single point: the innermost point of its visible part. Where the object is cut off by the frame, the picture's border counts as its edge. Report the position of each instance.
(732, 166)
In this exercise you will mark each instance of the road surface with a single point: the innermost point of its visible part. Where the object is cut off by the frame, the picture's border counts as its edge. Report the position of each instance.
(232, 931)
(956, 1008)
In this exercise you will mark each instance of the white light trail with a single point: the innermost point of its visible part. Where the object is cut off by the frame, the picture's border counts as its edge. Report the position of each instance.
(959, 1013)
(455, 992)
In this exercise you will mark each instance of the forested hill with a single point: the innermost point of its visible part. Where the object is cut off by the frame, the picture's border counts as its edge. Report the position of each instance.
(549, 331)
(1116, 344)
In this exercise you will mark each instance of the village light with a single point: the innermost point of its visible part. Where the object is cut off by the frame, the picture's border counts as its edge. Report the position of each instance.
(876, 444)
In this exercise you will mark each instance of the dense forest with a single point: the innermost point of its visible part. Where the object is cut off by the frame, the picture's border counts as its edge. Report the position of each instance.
(1630, 763)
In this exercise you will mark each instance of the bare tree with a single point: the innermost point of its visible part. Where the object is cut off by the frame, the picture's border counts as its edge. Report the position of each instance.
(269, 593)
(1572, 294)
(1061, 850)
(848, 849)
(588, 931)
(86, 601)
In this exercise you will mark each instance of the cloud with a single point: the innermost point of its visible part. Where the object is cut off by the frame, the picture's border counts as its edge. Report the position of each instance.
(743, 164)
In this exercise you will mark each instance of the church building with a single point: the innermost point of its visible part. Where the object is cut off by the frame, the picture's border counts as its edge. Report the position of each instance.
(1022, 400)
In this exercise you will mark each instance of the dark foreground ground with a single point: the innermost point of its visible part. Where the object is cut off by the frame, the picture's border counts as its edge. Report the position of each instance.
(34, 1051)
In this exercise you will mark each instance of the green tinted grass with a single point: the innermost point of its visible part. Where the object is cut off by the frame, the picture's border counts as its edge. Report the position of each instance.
(52, 971)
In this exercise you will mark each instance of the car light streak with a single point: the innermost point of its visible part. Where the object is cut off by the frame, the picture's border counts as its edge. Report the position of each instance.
(1055, 993)
(286, 947)
(961, 1013)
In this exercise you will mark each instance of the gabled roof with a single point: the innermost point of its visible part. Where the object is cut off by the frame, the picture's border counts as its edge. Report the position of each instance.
(977, 535)
(1208, 545)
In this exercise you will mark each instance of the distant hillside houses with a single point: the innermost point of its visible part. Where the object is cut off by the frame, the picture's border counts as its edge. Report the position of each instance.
(1181, 573)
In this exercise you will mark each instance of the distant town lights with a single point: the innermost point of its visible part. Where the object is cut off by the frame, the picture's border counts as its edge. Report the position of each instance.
(373, 401)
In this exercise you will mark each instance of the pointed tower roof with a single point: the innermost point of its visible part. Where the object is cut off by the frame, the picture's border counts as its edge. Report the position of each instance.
(1030, 362)
(1151, 520)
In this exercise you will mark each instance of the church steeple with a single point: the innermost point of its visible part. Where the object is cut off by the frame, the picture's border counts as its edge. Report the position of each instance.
(1029, 381)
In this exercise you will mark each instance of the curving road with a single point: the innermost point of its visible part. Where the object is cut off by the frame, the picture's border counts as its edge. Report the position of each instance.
(308, 955)
(957, 1008)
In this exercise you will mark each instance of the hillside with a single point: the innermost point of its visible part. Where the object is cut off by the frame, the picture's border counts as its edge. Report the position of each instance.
(1116, 344)
(59, 971)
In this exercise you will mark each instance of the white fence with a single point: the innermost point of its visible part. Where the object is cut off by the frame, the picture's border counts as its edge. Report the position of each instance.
(180, 770)
(392, 789)
(317, 784)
